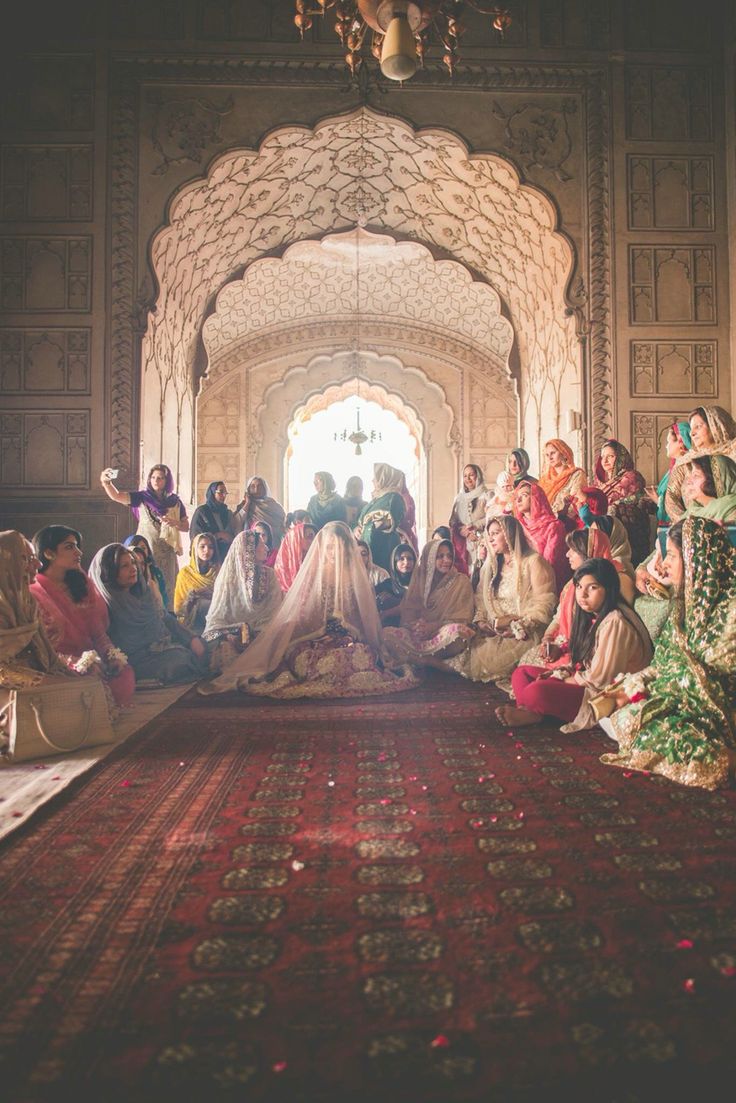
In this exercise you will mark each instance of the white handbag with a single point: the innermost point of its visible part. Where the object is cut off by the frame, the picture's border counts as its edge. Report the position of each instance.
(57, 716)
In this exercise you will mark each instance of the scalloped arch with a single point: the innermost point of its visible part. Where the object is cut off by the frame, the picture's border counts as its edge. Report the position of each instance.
(356, 169)
(392, 280)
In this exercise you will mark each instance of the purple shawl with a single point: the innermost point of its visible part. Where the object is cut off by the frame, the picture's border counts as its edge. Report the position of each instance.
(147, 497)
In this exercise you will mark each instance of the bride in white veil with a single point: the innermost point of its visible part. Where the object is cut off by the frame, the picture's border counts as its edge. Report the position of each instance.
(326, 639)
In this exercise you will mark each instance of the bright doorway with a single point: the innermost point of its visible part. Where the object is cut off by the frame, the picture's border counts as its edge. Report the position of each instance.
(316, 444)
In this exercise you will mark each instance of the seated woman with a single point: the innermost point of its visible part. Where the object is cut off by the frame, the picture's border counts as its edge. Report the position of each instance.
(263, 529)
(437, 609)
(195, 583)
(561, 481)
(353, 499)
(326, 505)
(677, 718)
(389, 594)
(158, 648)
(592, 510)
(74, 614)
(543, 530)
(582, 545)
(161, 518)
(376, 574)
(514, 603)
(247, 593)
(258, 505)
(709, 487)
(468, 517)
(677, 443)
(380, 522)
(214, 517)
(712, 432)
(606, 637)
(152, 574)
(326, 639)
(623, 487)
(292, 552)
(27, 656)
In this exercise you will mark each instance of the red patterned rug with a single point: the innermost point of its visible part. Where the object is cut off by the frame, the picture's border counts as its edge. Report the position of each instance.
(352, 900)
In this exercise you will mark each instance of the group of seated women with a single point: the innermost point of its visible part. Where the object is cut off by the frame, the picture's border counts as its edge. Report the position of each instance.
(554, 588)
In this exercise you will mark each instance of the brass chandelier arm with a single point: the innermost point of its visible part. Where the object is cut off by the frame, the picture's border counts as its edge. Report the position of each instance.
(406, 51)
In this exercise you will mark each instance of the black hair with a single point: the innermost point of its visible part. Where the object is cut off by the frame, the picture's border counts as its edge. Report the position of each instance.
(703, 464)
(443, 532)
(577, 540)
(399, 550)
(48, 539)
(204, 565)
(110, 566)
(138, 541)
(585, 625)
(674, 533)
(269, 530)
(699, 411)
(300, 515)
(514, 533)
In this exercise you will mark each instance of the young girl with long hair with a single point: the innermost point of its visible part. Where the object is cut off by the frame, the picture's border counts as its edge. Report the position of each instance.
(606, 638)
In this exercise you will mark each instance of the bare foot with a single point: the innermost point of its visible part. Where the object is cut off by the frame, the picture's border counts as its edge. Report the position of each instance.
(516, 718)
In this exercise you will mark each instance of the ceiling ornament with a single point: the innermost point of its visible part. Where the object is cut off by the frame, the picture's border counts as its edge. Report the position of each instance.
(400, 30)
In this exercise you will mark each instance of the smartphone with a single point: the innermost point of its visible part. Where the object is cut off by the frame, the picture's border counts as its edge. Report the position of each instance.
(113, 472)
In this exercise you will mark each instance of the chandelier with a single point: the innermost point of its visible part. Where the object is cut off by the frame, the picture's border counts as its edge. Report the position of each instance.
(401, 29)
(359, 436)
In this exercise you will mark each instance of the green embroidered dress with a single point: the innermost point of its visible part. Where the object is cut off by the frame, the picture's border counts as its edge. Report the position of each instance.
(685, 729)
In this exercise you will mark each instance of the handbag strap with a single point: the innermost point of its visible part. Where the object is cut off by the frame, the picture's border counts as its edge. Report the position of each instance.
(36, 705)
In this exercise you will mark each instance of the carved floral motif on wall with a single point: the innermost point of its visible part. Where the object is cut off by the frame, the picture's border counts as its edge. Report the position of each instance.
(539, 137)
(184, 128)
(372, 170)
(360, 275)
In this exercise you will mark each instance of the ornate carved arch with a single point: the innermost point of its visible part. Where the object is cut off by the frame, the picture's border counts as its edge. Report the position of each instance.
(362, 168)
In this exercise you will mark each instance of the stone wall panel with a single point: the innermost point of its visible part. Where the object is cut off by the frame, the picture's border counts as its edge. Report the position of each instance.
(45, 448)
(46, 274)
(45, 361)
(672, 284)
(46, 183)
(668, 368)
(670, 193)
(672, 104)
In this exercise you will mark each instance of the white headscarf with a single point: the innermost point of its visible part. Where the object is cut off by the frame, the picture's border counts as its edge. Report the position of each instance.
(332, 584)
(242, 593)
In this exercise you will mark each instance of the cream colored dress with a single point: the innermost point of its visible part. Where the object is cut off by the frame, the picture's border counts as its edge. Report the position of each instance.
(622, 646)
(526, 592)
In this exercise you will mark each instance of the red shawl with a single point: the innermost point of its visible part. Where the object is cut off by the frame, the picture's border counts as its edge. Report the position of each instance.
(290, 555)
(73, 627)
(545, 532)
